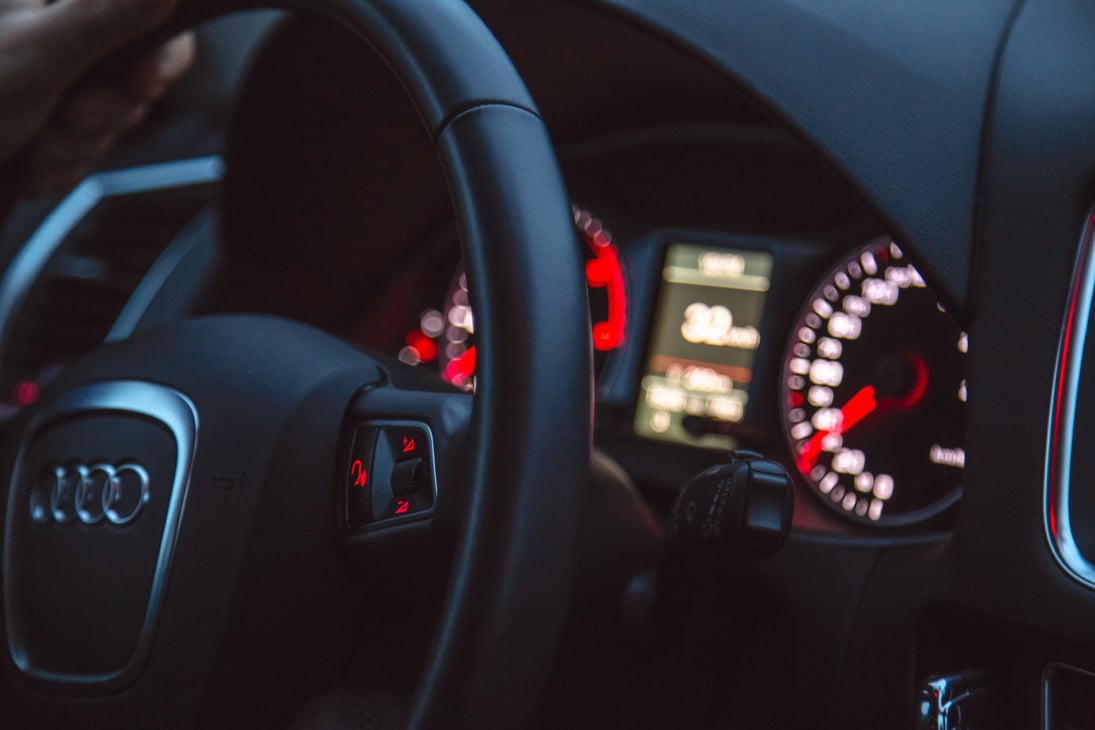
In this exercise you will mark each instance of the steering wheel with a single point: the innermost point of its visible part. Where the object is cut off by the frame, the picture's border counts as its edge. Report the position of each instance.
(182, 505)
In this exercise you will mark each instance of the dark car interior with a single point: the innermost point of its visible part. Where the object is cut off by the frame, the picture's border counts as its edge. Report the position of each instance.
(565, 364)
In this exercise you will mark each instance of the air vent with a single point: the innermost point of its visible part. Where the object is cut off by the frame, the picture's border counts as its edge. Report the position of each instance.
(65, 290)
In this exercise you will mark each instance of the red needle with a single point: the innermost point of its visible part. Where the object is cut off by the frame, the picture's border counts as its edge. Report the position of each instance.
(854, 411)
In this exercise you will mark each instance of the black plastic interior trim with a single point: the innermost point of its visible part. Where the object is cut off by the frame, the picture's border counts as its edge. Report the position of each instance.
(906, 134)
(444, 70)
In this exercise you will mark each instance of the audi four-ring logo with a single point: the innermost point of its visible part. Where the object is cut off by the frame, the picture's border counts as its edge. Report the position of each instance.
(90, 494)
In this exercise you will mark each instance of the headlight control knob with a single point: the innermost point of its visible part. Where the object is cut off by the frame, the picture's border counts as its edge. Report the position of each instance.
(732, 512)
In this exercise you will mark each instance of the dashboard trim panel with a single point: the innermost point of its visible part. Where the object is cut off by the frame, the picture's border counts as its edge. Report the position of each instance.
(1062, 417)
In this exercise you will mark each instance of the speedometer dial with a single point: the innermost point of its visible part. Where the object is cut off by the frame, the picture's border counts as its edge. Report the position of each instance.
(874, 391)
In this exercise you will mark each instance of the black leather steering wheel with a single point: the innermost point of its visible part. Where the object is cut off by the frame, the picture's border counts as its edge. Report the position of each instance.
(222, 600)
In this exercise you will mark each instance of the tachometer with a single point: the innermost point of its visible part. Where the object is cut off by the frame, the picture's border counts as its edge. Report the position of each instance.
(447, 335)
(874, 391)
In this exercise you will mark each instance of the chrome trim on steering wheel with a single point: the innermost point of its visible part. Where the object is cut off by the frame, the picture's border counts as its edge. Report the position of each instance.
(127, 397)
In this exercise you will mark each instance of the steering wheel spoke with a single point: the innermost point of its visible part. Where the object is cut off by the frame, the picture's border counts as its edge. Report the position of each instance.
(405, 466)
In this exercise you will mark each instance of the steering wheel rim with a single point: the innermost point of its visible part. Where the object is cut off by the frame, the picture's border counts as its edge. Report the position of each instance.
(532, 419)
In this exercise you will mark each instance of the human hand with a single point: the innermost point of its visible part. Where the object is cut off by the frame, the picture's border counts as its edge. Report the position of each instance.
(54, 121)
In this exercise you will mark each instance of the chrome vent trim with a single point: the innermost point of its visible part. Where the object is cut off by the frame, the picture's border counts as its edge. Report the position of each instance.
(32, 259)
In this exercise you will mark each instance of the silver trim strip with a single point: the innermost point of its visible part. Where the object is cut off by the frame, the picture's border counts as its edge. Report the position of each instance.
(1062, 415)
(36, 252)
(1047, 674)
(175, 411)
(194, 234)
(149, 287)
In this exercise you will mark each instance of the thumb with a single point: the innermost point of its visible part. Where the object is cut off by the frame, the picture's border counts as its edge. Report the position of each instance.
(71, 35)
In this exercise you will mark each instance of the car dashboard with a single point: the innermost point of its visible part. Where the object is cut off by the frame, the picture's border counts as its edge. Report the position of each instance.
(663, 161)
(745, 294)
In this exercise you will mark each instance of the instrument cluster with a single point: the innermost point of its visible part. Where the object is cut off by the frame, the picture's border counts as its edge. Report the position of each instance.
(699, 348)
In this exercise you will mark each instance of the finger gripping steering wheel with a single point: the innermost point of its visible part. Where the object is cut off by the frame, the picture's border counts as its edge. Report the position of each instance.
(224, 601)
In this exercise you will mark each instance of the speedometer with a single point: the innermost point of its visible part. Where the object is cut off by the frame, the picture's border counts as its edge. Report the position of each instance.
(874, 391)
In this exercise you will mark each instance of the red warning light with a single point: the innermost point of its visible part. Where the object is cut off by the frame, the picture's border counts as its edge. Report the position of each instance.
(401, 506)
(408, 445)
(358, 473)
(26, 392)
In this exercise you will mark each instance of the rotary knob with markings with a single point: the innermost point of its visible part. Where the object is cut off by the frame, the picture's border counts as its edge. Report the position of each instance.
(732, 512)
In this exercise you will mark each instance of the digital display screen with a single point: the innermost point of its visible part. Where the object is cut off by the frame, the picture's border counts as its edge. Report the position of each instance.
(706, 332)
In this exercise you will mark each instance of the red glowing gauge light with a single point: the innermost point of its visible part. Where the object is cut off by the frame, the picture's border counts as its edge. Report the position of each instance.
(459, 370)
(425, 349)
(604, 272)
(26, 392)
(447, 335)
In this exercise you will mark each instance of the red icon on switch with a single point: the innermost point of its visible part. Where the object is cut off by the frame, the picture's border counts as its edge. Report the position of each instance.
(357, 471)
(408, 445)
(401, 506)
